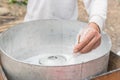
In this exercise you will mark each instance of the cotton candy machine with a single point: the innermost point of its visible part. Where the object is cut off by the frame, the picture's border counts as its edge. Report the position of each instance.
(43, 50)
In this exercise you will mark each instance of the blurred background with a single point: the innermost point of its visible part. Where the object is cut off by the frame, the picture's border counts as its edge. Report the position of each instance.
(12, 12)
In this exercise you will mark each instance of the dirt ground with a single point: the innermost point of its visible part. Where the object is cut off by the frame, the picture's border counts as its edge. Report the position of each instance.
(12, 14)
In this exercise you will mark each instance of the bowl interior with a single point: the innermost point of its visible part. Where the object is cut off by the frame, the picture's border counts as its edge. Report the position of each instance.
(48, 42)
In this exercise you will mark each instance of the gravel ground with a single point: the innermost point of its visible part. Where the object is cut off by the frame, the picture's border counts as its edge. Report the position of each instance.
(11, 14)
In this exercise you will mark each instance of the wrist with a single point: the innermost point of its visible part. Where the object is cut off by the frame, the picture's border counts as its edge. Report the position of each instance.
(95, 26)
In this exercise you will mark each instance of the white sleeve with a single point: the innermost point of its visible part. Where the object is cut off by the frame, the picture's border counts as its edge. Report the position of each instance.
(97, 11)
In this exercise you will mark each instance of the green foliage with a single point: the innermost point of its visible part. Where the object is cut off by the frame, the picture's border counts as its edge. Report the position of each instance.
(19, 2)
(12, 1)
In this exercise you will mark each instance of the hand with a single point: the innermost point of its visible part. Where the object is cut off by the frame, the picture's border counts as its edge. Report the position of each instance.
(88, 39)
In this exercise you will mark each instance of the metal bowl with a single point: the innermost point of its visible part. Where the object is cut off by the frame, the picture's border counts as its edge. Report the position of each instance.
(43, 50)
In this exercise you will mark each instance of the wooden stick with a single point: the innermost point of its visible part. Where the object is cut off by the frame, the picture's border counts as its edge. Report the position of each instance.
(8, 25)
(2, 30)
(7, 17)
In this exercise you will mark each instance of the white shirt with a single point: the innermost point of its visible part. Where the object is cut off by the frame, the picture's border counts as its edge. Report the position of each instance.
(66, 9)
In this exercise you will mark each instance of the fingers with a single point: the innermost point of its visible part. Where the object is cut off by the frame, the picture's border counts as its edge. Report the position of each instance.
(97, 44)
(89, 39)
(93, 43)
(84, 42)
